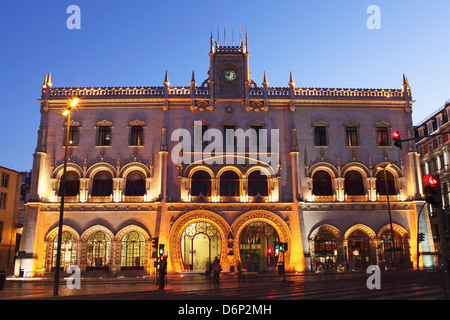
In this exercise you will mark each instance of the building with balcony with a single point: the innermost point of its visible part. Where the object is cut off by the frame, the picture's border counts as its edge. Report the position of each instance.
(224, 168)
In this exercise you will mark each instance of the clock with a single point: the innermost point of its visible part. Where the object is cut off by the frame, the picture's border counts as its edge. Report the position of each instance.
(229, 74)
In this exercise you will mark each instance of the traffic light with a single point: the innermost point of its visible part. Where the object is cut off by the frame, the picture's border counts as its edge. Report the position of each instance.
(397, 140)
(421, 237)
(155, 242)
(269, 251)
(161, 249)
(165, 254)
(283, 246)
(432, 189)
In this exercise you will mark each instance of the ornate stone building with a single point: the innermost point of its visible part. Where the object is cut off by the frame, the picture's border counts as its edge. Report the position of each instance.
(316, 180)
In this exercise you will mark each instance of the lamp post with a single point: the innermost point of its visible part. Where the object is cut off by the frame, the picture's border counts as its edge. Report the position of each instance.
(383, 167)
(62, 190)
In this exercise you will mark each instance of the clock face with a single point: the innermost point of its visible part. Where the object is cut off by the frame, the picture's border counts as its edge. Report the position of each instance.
(229, 74)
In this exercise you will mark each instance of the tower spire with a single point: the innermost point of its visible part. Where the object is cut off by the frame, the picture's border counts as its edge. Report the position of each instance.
(166, 79)
(291, 80)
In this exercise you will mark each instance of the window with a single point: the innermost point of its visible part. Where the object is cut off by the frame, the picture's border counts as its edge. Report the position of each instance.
(102, 185)
(98, 251)
(104, 136)
(72, 185)
(258, 131)
(229, 184)
(320, 135)
(2, 200)
(354, 185)
(228, 136)
(201, 183)
(73, 136)
(137, 133)
(381, 185)
(322, 184)
(351, 135)
(5, 178)
(135, 185)
(382, 136)
(257, 183)
(133, 251)
(69, 245)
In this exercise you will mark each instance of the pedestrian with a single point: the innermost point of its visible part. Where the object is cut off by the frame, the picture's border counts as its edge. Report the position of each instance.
(217, 268)
(162, 273)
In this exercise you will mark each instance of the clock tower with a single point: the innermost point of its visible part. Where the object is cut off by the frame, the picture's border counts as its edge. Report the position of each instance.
(229, 76)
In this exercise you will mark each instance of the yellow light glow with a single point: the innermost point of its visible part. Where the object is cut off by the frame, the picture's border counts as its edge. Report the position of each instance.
(74, 102)
(65, 112)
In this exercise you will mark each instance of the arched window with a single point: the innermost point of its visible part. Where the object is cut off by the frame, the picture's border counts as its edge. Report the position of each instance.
(102, 185)
(354, 185)
(359, 248)
(201, 183)
(72, 184)
(322, 184)
(381, 185)
(257, 183)
(400, 251)
(325, 247)
(229, 184)
(98, 250)
(69, 245)
(135, 185)
(133, 251)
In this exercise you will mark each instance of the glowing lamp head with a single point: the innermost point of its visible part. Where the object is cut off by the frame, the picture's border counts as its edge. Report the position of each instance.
(396, 134)
(74, 102)
(269, 251)
(429, 179)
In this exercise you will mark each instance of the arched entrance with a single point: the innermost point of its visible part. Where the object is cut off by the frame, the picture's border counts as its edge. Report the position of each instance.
(265, 229)
(258, 246)
(200, 244)
(196, 238)
(359, 248)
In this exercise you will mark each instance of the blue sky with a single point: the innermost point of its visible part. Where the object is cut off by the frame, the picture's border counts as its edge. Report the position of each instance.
(132, 43)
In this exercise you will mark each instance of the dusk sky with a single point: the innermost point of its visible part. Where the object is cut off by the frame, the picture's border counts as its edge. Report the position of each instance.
(132, 43)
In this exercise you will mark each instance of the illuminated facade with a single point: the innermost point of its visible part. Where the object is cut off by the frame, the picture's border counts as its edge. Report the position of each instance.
(321, 193)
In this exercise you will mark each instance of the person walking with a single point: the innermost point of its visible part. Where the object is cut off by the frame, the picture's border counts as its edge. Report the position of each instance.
(217, 268)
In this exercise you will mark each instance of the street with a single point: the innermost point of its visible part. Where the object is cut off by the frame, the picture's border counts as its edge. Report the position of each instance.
(401, 285)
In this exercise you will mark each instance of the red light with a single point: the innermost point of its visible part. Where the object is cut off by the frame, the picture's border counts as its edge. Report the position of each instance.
(430, 180)
(396, 134)
(269, 251)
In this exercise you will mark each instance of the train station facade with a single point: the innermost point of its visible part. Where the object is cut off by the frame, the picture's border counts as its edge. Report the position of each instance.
(225, 168)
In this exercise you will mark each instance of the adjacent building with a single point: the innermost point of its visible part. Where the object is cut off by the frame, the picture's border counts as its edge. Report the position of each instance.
(9, 208)
(225, 168)
(433, 142)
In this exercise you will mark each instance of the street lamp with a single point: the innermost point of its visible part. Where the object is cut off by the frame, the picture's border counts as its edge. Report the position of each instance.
(62, 190)
(383, 167)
